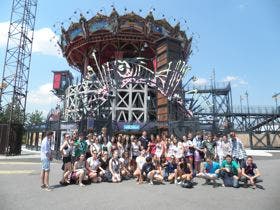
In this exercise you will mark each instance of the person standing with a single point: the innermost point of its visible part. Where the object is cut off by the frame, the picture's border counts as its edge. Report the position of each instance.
(238, 151)
(46, 157)
(144, 140)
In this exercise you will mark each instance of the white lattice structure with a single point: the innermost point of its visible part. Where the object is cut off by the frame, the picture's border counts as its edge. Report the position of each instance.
(128, 104)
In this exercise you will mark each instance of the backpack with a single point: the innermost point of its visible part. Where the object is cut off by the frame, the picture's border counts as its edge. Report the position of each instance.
(187, 184)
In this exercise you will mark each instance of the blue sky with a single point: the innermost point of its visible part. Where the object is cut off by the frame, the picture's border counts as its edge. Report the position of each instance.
(240, 39)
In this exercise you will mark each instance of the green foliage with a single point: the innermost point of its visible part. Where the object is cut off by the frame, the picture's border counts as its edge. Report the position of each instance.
(17, 115)
(34, 118)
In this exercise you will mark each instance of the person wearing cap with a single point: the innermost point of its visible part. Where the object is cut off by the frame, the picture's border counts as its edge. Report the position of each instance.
(238, 151)
(46, 157)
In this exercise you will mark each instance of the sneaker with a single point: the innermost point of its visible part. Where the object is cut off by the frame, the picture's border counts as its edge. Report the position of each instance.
(151, 182)
(43, 186)
(47, 189)
(81, 185)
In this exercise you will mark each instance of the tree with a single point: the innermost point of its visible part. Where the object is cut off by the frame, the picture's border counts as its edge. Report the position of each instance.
(34, 118)
(17, 115)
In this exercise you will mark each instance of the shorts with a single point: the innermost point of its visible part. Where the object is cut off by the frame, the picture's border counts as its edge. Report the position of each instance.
(45, 164)
(197, 157)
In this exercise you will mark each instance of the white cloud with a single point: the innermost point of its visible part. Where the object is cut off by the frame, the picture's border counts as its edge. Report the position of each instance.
(42, 96)
(242, 6)
(41, 99)
(201, 81)
(4, 28)
(41, 42)
(230, 79)
(235, 81)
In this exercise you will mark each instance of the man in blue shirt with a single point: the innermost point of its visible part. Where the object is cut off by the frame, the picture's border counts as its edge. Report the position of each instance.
(46, 157)
(210, 171)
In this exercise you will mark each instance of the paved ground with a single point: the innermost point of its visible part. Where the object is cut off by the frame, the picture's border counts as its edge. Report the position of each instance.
(20, 189)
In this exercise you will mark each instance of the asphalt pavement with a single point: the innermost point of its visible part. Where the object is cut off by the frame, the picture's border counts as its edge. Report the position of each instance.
(20, 189)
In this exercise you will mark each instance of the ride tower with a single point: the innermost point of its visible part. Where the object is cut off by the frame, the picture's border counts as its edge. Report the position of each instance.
(131, 69)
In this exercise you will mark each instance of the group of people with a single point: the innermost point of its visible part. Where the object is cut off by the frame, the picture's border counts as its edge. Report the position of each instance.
(154, 159)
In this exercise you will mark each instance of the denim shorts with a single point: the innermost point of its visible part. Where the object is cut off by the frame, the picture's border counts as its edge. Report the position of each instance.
(46, 164)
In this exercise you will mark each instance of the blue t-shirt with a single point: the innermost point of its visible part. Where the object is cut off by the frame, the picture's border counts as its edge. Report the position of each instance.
(170, 168)
(211, 168)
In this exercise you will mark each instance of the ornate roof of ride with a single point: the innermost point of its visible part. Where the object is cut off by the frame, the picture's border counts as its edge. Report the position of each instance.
(114, 32)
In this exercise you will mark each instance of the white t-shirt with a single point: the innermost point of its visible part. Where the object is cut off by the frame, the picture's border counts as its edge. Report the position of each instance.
(172, 150)
(180, 152)
(140, 161)
(94, 164)
(135, 149)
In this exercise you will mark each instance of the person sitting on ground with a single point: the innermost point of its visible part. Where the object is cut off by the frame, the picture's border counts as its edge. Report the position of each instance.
(66, 150)
(115, 167)
(210, 171)
(79, 171)
(148, 170)
(93, 167)
(169, 169)
(230, 172)
(104, 167)
(158, 175)
(125, 165)
(140, 161)
(184, 172)
(250, 172)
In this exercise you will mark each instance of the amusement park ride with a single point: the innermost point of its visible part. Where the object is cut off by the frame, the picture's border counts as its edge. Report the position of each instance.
(134, 76)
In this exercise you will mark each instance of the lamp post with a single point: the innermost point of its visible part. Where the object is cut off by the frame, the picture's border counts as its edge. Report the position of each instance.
(276, 96)
(241, 99)
(247, 101)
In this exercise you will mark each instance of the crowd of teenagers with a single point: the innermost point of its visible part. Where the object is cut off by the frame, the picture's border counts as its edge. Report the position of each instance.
(155, 159)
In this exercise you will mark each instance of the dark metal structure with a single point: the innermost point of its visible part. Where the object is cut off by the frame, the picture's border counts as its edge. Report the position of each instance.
(14, 85)
(213, 111)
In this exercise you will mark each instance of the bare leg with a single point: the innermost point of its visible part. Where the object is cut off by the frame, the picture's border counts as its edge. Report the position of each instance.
(43, 178)
(46, 178)
(81, 177)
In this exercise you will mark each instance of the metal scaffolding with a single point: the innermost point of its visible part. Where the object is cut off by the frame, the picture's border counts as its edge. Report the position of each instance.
(14, 86)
